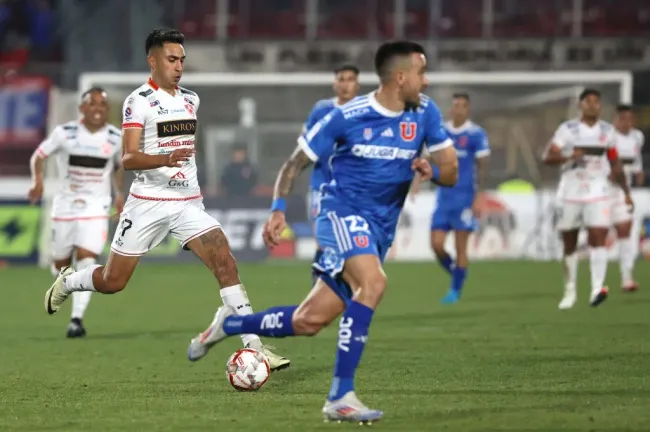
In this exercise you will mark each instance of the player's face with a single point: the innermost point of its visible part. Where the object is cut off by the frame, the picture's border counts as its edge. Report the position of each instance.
(167, 63)
(459, 109)
(94, 109)
(590, 107)
(346, 85)
(624, 121)
(413, 80)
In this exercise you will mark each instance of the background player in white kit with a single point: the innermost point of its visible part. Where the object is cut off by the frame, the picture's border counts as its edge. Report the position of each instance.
(88, 155)
(158, 141)
(585, 149)
(629, 144)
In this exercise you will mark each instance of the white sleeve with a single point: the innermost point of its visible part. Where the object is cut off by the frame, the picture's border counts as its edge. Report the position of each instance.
(561, 137)
(52, 143)
(134, 112)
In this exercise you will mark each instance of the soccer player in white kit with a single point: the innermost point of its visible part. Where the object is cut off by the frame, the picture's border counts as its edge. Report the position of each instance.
(629, 144)
(585, 149)
(88, 155)
(158, 138)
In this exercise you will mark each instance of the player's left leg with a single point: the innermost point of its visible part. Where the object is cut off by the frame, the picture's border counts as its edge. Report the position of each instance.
(202, 234)
(90, 239)
(597, 217)
(459, 272)
(622, 221)
(439, 228)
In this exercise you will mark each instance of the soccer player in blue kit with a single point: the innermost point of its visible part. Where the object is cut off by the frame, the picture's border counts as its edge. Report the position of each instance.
(346, 87)
(457, 207)
(379, 138)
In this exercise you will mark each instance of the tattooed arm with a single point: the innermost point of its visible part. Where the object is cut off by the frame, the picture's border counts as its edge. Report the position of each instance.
(290, 170)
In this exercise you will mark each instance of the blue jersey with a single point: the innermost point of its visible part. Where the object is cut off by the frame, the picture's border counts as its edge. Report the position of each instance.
(321, 171)
(373, 153)
(453, 210)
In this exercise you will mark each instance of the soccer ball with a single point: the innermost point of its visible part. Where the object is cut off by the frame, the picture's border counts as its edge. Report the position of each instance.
(247, 370)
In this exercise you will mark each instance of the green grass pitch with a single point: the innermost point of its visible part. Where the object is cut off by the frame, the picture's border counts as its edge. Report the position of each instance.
(504, 359)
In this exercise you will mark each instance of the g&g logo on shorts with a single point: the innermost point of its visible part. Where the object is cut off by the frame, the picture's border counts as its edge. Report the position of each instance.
(178, 181)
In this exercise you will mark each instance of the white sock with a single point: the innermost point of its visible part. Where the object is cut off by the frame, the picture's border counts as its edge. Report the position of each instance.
(81, 280)
(80, 299)
(627, 256)
(570, 271)
(598, 268)
(235, 297)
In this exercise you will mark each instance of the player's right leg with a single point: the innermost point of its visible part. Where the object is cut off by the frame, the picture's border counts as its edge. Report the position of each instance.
(440, 226)
(463, 223)
(597, 218)
(622, 221)
(568, 223)
(143, 225)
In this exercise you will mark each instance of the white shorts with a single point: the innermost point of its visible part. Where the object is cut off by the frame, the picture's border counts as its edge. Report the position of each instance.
(575, 215)
(145, 223)
(88, 233)
(619, 210)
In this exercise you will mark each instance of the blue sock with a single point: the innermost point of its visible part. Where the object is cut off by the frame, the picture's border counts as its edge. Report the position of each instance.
(273, 322)
(447, 263)
(458, 276)
(353, 335)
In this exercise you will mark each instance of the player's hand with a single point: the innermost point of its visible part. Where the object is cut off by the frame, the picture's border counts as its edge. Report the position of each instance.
(178, 156)
(118, 203)
(423, 167)
(273, 229)
(35, 192)
(629, 203)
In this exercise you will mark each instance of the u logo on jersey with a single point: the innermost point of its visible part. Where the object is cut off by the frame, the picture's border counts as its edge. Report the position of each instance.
(361, 241)
(408, 130)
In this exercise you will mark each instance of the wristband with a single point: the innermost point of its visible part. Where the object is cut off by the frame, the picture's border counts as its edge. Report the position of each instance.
(279, 204)
(436, 173)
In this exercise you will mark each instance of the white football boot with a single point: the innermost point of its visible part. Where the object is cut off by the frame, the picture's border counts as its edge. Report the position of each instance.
(54, 297)
(350, 409)
(570, 297)
(201, 344)
(276, 362)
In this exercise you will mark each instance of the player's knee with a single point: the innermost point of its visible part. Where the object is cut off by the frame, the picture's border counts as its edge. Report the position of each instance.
(308, 324)
(438, 247)
(372, 289)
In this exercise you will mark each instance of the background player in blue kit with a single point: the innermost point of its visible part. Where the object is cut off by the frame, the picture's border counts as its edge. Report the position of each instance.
(379, 138)
(457, 207)
(346, 87)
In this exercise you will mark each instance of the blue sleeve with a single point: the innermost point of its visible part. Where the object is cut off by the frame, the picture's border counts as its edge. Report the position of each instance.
(313, 117)
(482, 146)
(319, 140)
(436, 136)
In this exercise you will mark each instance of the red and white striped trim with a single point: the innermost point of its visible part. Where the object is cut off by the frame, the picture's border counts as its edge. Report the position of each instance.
(126, 254)
(70, 219)
(132, 125)
(166, 199)
(41, 153)
(586, 201)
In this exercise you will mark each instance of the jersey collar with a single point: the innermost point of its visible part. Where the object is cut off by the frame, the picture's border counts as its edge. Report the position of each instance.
(380, 108)
(450, 125)
(154, 86)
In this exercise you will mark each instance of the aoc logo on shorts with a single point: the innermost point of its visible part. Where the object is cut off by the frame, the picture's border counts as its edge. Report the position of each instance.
(176, 127)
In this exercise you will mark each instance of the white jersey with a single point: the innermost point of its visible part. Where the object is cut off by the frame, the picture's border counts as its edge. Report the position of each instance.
(85, 163)
(585, 180)
(168, 123)
(629, 147)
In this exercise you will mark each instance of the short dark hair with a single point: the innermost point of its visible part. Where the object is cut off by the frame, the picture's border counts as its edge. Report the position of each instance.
(160, 36)
(347, 68)
(389, 50)
(461, 95)
(588, 92)
(623, 108)
(94, 89)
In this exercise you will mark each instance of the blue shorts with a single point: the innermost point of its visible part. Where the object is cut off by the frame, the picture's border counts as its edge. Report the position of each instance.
(342, 234)
(453, 218)
(313, 204)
